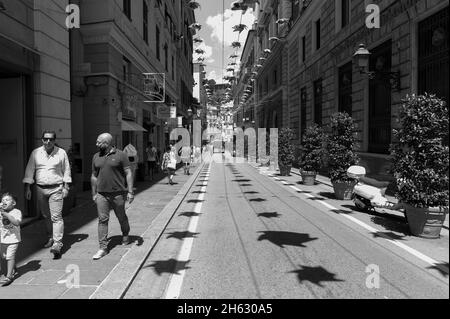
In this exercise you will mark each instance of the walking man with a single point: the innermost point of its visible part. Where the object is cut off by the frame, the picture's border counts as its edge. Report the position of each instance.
(49, 168)
(112, 186)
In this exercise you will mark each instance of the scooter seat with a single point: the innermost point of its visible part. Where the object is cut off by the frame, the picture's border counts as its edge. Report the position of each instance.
(367, 191)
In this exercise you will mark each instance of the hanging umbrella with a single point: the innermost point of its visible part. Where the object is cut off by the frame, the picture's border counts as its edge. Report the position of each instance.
(197, 40)
(197, 26)
(193, 5)
(200, 51)
(239, 27)
(236, 44)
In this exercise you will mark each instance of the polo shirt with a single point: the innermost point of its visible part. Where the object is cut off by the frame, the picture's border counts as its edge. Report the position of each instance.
(110, 171)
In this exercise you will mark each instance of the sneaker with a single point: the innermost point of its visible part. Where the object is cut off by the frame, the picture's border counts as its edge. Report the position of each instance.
(126, 240)
(49, 243)
(99, 254)
(6, 281)
(56, 251)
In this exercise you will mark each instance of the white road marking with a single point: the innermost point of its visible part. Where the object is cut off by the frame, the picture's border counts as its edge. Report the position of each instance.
(176, 281)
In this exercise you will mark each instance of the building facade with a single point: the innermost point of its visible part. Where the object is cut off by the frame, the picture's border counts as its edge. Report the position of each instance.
(119, 41)
(313, 43)
(34, 85)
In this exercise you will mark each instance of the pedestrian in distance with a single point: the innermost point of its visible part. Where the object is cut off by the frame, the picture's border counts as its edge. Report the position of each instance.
(49, 168)
(169, 163)
(133, 158)
(152, 158)
(112, 186)
(186, 153)
(9, 236)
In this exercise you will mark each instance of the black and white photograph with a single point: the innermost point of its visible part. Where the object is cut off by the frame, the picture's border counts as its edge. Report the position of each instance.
(224, 156)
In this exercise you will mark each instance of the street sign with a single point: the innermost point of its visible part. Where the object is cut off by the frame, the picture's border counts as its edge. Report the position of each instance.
(163, 112)
(154, 87)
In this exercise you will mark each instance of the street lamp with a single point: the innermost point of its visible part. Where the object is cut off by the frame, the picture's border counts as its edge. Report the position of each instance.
(361, 58)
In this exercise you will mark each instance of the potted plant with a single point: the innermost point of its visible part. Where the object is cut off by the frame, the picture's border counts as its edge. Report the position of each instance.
(311, 156)
(341, 154)
(285, 151)
(420, 163)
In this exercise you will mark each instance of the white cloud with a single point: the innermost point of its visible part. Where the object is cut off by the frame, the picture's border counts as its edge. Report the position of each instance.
(216, 77)
(232, 18)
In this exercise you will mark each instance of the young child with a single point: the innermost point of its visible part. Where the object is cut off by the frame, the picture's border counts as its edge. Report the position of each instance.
(9, 235)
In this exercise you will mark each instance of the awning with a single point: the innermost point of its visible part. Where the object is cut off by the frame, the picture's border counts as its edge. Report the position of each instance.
(132, 126)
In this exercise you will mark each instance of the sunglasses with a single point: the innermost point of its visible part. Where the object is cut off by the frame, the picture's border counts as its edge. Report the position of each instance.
(48, 139)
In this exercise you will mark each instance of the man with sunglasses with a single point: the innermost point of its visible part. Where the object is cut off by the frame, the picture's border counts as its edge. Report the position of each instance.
(49, 168)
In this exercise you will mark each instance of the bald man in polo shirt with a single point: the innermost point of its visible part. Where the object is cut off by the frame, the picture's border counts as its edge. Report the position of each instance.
(112, 185)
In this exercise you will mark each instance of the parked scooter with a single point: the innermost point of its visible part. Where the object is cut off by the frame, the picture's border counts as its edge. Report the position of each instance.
(369, 193)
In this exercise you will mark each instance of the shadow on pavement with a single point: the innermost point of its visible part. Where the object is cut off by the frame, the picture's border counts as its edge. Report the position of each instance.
(328, 195)
(315, 275)
(70, 239)
(389, 235)
(251, 192)
(269, 215)
(392, 225)
(115, 241)
(282, 238)
(195, 201)
(246, 185)
(171, 266)
(241, 180)
(31, 266)
(199, 192)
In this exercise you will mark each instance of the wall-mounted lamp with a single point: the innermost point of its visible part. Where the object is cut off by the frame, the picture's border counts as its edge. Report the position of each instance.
(361, 58)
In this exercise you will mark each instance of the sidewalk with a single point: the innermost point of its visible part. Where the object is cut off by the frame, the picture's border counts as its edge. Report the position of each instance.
(42, 277)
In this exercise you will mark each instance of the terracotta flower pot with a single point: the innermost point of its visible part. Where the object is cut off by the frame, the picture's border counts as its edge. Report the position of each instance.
(425, 222)
(285, 170)
(343, 191)
(308, 177)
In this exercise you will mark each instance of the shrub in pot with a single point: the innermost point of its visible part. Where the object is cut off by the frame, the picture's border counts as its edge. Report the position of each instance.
(420, 163)
(312, 153)
(285, 150)
(341, 154)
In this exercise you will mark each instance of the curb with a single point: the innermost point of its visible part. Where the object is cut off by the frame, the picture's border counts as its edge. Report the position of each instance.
(118, 281)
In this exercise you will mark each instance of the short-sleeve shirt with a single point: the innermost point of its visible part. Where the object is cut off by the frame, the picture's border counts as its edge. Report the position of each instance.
(110, 171)
(9, 233)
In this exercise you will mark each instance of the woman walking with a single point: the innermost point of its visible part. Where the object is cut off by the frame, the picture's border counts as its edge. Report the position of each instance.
(169, 163)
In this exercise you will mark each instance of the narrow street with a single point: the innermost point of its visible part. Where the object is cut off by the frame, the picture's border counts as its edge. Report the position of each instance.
(241, 233)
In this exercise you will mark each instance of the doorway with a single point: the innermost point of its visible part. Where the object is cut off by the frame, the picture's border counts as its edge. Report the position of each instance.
(13, 137)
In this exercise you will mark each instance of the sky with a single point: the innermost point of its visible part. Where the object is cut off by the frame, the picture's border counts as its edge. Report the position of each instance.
(217, 35)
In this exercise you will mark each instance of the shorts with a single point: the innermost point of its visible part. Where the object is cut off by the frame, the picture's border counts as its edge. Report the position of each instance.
(170, 171)
(8, 251)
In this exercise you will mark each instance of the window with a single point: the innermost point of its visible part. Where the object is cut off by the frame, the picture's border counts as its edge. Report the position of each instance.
(145, 21)
(126, 66)
(317, 34)
(318, 102)
(303, 48)
(302, 112)
(127, 8)
(345, 12)
(295, 4)
(173, 68)
(166, 57)
(158, 53)
(345, 88)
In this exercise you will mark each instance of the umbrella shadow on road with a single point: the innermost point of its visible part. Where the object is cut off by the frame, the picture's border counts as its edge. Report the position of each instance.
(195, 201)
(171, 266)
(182, 234)
(251, 192)
(397, 225)
(328, 195)
(442, 267)
(283, 238)
(315, 275)
(189, 214)
(269, 215)
(115, 241)
(257, 200)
